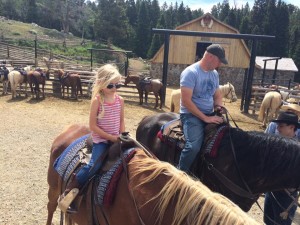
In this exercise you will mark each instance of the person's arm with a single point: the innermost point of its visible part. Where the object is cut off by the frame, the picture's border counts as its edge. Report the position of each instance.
(122, 120)
(186, 101)
(93, 122)
(271, 128)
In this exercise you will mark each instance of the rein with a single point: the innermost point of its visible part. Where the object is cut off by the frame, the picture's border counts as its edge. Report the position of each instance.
(247, 193)
(124, 137)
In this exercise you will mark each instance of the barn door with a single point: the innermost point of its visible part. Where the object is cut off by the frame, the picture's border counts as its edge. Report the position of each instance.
(201, 47)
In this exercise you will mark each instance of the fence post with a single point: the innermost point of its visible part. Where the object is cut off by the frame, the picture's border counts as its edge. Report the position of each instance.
(7, 51)
(35, 52)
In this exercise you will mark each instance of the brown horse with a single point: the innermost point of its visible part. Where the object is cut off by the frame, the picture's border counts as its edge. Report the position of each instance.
(72, 80)
(150, 85)
(4, 71)
(132, 78)
(35, 78)
(150, 192)
(240, 165)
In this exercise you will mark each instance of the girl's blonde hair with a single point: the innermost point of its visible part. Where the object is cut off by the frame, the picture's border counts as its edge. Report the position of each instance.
(104, 76)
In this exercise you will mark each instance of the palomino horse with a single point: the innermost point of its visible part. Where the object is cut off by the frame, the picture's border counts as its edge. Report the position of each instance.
(240, 165)
(150, 85)
(68, 79)
(270, 105)
(149, 192)
(4, 78)
(35, 78)
(227, 91)
(18, 77)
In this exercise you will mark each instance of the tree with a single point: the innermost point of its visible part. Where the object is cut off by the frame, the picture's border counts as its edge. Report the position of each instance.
(143, 32)
(131, 12)
(111, 22)
(268, 24)
(32, 12)
(181, 14)
(281, 30)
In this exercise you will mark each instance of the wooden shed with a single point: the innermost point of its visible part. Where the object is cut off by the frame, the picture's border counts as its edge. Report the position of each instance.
(185, 50)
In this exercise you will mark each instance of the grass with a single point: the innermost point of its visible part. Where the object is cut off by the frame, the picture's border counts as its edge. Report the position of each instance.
(24, 34)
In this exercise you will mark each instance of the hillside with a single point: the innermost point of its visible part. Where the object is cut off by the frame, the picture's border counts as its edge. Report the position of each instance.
(20, 38)
(15, 30)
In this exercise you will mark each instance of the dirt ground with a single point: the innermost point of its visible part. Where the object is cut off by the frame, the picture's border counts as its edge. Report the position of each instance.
(28, 128)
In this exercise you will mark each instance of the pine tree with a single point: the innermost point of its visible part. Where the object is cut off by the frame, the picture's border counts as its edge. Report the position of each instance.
(32, 12)
(111, 22)
(131, 12)
(143, 31)
(281, 25)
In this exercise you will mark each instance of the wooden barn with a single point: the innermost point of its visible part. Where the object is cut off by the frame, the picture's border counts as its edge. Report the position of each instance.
(185, 50)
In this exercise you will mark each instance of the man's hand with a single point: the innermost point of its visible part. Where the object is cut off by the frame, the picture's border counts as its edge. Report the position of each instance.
(220, 109)
(214, 119)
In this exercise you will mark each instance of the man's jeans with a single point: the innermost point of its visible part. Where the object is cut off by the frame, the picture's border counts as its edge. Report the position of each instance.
(193, 129)
(272, 210)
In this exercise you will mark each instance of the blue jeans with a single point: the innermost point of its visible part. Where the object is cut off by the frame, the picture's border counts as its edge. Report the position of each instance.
(193, 129)
(87, 171)
(272, 210)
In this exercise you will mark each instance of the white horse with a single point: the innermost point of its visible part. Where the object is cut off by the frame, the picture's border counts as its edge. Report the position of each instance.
(16, 78)
(270, 105)
(227, 91)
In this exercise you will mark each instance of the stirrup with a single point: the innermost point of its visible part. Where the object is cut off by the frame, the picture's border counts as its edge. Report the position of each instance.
(64, 202)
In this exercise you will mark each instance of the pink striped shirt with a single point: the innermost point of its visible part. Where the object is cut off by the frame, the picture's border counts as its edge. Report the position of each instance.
(111, 121)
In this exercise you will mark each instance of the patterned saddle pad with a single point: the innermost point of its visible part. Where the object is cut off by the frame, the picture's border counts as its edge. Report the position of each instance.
(75, 154)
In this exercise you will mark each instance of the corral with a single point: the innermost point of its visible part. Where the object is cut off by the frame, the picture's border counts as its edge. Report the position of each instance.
(27, 131)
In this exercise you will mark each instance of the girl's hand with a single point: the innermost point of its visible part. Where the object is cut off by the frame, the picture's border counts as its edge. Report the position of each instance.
(114, 138)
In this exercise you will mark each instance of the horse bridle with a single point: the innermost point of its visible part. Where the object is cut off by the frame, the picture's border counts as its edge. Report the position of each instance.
(223, 179)
(234, 187)
(229, 92)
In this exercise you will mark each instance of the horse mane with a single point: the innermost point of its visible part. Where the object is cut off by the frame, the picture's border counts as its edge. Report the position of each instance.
(196, 204)
(272, 154)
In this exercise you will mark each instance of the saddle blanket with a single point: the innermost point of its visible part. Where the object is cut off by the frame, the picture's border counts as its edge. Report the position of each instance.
(67, 161)
(108, 182)
(105, 191)
(172, 132)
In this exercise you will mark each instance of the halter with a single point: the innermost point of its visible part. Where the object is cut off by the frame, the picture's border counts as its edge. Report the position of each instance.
(246, 193)
(223, 179)
(229, 92)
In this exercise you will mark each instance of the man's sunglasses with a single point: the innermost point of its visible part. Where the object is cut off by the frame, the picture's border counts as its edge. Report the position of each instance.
(117, 86)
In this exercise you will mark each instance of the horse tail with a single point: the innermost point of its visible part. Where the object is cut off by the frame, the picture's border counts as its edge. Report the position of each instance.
(265, 105)
(79, 86)
(35, 82)
(175, 101)
(11, 79)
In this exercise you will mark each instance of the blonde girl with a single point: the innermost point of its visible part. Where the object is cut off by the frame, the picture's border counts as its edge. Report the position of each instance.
(106, 122)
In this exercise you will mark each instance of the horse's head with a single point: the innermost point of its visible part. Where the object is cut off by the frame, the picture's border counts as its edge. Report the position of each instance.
(230, 92)
(59, 73)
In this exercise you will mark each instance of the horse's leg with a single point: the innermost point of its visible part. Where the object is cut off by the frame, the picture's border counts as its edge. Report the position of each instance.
(141, 96)
(43, 89)
(26, 84)
(63, 91)
(146, 97)
(156, 99)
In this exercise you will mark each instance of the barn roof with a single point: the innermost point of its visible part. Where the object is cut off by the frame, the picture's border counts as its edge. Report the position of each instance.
(284, 64)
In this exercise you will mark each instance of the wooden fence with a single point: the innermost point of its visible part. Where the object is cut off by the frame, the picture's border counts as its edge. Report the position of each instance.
(258, 94)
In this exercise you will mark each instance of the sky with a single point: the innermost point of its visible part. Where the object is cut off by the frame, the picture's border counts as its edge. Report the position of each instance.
(206, 5)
